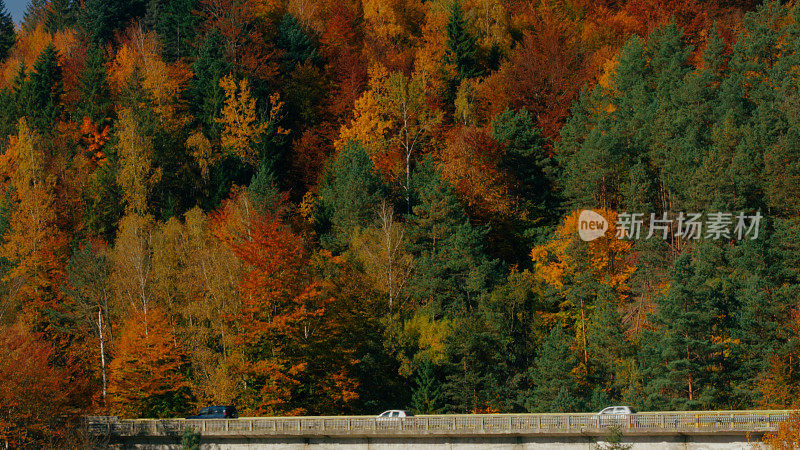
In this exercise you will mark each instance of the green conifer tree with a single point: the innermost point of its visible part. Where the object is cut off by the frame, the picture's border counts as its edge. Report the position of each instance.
(8, 36)
(176, 22)
(205, 94)
(461, 46)
(451, 270)
(93, 84)
(683, 356)
(101, 18)
(348, 196)
(554, 388)
(298, 47)
(427, 396)
(40, 96)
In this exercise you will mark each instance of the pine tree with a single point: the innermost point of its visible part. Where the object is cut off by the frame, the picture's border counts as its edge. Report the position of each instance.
(451, 269)
(40, 97)
(61, 14)
(461, 47)
(525, 155)
(349, 196)
(297, 45)
(683, 356)
(533, 174)
(205, 93)
(611, 355)
(554, 389)
(262, 190)
(176, 22)
(101, 18)
(478, 375)
(35, 14)
(427, 396)
(8, 36)
(95, 95)
(763, 315)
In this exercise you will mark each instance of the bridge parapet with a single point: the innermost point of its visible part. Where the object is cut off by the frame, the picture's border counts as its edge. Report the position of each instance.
(643, 424)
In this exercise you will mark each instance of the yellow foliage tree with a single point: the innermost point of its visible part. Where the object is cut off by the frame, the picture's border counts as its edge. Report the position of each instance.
(489, 19)
(136, 173)
(32, 241)
(380, 249)
(30, 44)
(241, 128)
(140, 53)
(569, 265)
(392, 22)
(393, 120)
(369, 126)
(196, 276)
(132, 257)
(605, 258)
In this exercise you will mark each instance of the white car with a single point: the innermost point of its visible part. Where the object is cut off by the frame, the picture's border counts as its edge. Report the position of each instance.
(616, 410)
(394, 414)
(614, 416)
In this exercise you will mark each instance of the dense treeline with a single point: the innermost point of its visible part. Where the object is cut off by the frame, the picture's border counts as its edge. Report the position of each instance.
(330, 207)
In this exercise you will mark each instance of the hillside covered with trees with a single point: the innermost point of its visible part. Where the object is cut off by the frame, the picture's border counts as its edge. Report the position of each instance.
(307, 207)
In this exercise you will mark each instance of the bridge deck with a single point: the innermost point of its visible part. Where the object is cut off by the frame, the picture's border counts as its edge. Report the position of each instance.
(656, 423)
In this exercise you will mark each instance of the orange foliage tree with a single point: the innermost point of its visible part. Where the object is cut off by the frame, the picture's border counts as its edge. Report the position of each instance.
(571, 267)
(780, 384)
(241, 126)
(392, 28)
(394, 121)
(543, 74)
(139, 59)
(309, 158)
(787, 437)
(340, 47)
(32, 242)
(277, 299)
(282, 314)
(35, 394)
(470, 162)
(147, 374)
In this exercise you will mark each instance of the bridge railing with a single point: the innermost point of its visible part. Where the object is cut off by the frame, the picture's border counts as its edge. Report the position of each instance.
(478, 424)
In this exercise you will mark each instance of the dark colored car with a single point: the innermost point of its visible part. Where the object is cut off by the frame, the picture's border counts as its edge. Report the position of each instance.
(216, 412)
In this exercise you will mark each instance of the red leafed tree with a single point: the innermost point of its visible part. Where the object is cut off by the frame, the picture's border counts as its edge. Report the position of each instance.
(470, 162)
(341, 46)
(310, 153)
(35, 394)
(244, 37)
(277, 302)
(282, 321)
(543, 75)
(693, 16)
(780, 384)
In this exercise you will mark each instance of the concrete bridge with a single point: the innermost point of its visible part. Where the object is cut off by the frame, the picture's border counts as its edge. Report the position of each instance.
(662, 430)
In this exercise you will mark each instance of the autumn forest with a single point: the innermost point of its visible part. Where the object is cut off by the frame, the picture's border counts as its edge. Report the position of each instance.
(326, 207)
